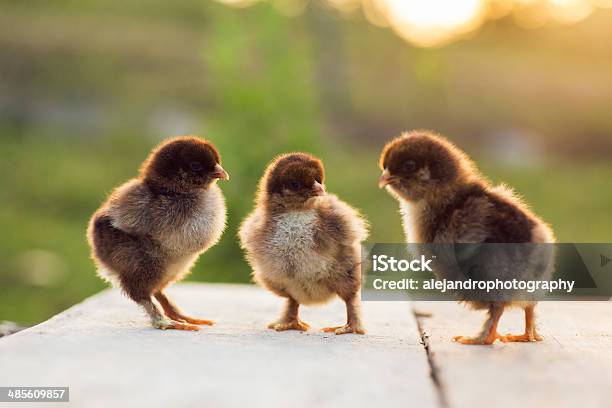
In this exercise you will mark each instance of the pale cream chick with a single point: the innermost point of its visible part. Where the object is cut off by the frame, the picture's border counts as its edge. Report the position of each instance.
(303, 243)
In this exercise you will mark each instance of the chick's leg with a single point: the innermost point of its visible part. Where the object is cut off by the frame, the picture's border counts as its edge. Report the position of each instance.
(175, 313)
(531, 333)
(290, 319)
(159, 320)
(353, 319)
(489, 334)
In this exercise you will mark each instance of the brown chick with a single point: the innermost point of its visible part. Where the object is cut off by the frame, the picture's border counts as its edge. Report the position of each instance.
(444, 199)
(151, 230)
(303, 243)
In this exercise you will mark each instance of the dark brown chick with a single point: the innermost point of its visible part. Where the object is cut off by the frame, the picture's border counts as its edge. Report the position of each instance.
(152, 229)
(444, 199)
(303, 243)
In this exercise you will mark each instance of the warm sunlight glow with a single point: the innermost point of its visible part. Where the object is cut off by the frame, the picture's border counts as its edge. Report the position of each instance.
(602, 3)
(435, 13)
(238, 3)
(570, 11)
(433, 22)
(345, 6)
(430, 23)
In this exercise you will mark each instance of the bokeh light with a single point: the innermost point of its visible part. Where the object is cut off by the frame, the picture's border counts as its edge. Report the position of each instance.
(437, 22)
(524, 86)
(433, 22)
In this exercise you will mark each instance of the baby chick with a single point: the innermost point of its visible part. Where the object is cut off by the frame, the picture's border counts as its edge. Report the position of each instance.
(303, 243)
(151, 230)
(444, 199)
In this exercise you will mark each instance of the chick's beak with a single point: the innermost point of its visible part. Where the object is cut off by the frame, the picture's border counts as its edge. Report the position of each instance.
(220, 173)
(318, 189)
(385, 179)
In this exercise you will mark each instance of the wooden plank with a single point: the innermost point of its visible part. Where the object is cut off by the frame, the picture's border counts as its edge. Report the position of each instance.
(571, 367)
(109, 356)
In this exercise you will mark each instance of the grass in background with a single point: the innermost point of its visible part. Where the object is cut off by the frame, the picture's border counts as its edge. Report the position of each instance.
(52, 185)
(88, 89)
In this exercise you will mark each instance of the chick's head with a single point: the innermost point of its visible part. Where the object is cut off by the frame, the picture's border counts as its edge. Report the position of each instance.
(184, 163)
(421, 163)
(294, 180)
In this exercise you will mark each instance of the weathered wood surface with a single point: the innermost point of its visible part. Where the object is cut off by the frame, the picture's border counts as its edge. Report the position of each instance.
(572, 367)
(109, 356)
(104, 350)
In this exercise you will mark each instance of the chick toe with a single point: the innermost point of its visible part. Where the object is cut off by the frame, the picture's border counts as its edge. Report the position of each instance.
(346, 329)
(525, 337)
(295, 324)
(198, 321)
(480, 340)
(167, 324)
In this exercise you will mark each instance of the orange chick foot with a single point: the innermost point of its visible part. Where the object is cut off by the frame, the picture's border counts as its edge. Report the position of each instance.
(347, 328)
(198, 321)
(173, 325)
(295, 324)
(480, 340)
(525, 337)
(186, 319)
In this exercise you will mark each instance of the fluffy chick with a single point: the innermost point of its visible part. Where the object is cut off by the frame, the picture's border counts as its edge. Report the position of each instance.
(303, 243)
(151, 230)
(444, 199)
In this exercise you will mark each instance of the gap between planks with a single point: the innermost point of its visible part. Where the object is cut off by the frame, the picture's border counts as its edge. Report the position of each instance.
(434, 370)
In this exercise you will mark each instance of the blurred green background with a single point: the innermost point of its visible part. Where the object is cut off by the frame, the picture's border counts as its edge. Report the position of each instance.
(87, 88)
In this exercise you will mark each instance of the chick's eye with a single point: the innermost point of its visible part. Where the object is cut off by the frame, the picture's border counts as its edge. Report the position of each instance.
(294, 185)
(195, 166)
(409, 166)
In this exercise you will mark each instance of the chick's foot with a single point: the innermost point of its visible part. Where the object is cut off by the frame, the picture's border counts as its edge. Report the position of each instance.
(173, 312)
(523, 338)
(167, 324)
(295, 324)
(480, 340)
(347, 328)
(193, 320)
